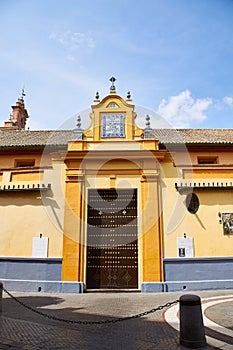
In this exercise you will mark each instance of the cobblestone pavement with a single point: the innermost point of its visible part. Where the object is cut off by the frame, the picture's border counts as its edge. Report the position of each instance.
(224, 314)
(20, 328)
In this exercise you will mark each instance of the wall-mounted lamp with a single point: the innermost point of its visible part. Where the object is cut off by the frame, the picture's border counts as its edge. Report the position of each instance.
(220, 217)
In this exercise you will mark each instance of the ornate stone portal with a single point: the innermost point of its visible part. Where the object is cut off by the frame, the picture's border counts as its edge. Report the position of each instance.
(112, 227)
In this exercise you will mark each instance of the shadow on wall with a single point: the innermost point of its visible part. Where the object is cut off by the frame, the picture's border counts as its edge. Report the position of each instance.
(19, 199)
(34, 199)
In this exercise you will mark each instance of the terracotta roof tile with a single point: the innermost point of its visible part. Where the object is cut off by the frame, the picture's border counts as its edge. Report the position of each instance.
(23, 138)
(195, 136)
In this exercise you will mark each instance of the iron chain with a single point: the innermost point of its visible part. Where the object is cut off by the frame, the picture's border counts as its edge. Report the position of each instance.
(120, 319)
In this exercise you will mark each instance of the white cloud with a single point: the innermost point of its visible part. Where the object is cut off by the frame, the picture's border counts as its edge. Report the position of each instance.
(70, 57)
(182, 109)
(228, 100)
(73, 40)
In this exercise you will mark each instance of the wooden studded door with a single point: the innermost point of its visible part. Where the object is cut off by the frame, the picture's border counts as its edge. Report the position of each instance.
(112, 239)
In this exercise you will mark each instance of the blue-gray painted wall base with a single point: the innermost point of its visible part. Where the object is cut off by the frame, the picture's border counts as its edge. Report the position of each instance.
(1, 297)
(198, 269)
(45, 269)
(175, 286)
(44, 274)
(43, 286)
(191, 274)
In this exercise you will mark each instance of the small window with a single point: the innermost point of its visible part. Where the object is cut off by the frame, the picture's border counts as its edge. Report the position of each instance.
(192, 203)
(207, 160)
(24, 163)
(112, 105)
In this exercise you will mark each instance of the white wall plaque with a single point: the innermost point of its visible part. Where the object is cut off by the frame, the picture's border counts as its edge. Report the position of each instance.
(40, 247)
(185, 247)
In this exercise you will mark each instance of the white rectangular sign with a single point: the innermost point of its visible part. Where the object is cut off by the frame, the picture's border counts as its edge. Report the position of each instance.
(40, 247)
(185, 247)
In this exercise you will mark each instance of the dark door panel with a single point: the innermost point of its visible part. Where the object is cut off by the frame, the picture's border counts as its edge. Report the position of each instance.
(112, 239)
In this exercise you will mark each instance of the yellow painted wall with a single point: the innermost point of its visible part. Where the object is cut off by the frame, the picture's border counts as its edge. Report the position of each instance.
(208, 174)
(25, 214)
(26, 176)
(151, 235)
(72, 236)
(222, 157)
(23, 217)
(203, 226)
(8, 160)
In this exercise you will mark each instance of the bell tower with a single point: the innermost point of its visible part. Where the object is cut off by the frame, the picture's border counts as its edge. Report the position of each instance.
(19, 115)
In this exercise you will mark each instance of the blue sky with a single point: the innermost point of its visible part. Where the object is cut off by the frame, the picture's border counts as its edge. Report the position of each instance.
(175, 56)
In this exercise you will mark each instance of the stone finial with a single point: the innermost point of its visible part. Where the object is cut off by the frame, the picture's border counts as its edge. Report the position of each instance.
(128, 95)
(148, 131)
(148, 121)
(78, 124)
(97, 96)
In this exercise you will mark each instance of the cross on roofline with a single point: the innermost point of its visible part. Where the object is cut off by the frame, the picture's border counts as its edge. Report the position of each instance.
(22, 94)
(112, 79)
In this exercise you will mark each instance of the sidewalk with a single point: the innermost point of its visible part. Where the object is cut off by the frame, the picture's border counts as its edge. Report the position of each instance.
(21, 328)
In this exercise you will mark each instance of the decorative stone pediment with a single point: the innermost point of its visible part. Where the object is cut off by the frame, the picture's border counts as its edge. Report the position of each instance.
(113, 118)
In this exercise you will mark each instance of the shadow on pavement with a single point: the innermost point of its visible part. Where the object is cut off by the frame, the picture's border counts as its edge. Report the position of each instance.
(39, 332)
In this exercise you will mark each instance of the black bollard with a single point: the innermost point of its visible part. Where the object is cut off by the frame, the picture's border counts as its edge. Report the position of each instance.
(192, 332)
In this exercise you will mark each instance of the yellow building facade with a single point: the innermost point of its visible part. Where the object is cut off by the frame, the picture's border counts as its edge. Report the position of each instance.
(115, 206)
